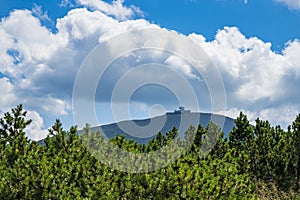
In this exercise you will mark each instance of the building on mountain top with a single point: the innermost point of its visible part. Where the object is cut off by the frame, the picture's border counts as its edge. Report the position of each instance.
(181, 110)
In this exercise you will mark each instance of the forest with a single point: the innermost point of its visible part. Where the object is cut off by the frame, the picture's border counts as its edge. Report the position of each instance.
(256, 161)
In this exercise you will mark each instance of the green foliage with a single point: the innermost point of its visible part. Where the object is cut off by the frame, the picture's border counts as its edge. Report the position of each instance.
(296, 134)
(242, 133)
(66, 167)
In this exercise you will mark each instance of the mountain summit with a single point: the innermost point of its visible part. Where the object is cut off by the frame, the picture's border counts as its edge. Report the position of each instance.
(144, 130)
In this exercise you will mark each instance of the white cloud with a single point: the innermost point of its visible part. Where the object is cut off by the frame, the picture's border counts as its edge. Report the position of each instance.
(258, 80)
(235, 112)
(40, 66)
(292, 4)
(179, 64)
(7, 95)
(35, 130)
(282, 115)
(26, 54)
(250, 67)
(69, 3)
(55, 106)
(38, 11)
(291, 53)
(33, 45)
(116, 8)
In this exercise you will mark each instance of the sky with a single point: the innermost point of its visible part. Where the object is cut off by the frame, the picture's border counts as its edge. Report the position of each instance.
(253, 47)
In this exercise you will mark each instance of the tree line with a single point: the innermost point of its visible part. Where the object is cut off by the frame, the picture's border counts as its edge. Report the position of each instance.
(254, 162)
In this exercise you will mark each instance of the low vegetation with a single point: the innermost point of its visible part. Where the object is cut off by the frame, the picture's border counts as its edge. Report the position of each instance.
(255, 162)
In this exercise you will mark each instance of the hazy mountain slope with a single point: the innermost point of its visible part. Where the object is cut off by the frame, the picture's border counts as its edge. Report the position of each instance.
(142, 131)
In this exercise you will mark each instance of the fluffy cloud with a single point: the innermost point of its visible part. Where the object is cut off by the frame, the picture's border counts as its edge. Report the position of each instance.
(181, 65)
(292, 4)
(287, 114)
(26, 53)
(40, 66)
(234, 113)
(116, 8)
(259, 81)
(35, 130)
(7, 95)
(251, 70)
(283, 115)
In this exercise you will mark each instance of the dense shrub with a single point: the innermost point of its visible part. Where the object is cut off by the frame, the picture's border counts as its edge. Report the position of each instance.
(63, 168)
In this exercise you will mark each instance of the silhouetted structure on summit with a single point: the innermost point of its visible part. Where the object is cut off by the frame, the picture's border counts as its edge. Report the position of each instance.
(181, 110)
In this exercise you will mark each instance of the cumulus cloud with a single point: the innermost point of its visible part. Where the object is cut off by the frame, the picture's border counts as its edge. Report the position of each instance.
(282, 115)
(39, 67)
(292, 4)
(45, 64)
(258, 80)
(251, 70)
(7, 94)
(291, 53)
(27, 53)
(116, 8)
(35, 130)
(235, 112)
(54, 106)
(178, 63)
(287, 114)
(31, 45)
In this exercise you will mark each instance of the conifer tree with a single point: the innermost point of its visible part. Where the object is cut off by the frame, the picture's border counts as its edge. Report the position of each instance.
(296, 132)
(242, 133)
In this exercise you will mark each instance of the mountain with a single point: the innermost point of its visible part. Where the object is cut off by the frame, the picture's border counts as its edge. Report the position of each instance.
(145, 129)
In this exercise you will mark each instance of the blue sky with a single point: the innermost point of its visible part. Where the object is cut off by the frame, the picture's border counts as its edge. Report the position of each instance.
(265, 19)
(254, 44)
(270, 21)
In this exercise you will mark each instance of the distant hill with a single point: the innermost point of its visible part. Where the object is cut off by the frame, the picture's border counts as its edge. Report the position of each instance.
(144, 130)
